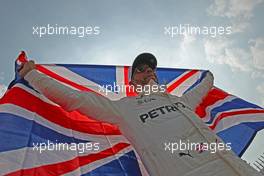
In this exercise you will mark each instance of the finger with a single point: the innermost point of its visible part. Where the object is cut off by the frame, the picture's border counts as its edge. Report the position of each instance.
(32, 64)
(32, 61)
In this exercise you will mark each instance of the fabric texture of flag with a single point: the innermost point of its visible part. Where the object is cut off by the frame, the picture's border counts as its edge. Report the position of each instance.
(28, 120)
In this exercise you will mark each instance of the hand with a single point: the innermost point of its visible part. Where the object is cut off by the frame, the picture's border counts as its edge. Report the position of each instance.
(26, 67)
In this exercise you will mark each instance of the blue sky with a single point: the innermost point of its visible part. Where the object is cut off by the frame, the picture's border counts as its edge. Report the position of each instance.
(128, 28)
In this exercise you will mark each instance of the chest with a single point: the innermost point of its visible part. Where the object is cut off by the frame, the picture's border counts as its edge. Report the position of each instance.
(149, 111)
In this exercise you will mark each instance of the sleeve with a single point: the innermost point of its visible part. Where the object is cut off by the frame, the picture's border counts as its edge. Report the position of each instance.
(195, 95)
(87, 103)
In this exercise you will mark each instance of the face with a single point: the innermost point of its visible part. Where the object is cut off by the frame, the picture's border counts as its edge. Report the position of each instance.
(143, 74)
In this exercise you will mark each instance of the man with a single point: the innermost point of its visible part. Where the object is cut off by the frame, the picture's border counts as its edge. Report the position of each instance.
(153, 123)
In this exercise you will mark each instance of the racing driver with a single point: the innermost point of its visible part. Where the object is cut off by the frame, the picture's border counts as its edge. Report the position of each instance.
(151, 122)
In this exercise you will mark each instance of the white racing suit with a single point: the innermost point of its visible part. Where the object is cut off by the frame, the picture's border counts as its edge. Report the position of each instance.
(154, 124)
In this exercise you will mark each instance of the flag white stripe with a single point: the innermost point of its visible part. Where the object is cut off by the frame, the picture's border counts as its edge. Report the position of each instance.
(237, 119)
(215, 105)
(186, 84)
(78, 79)
(23, 113)
(229, 111)
(30, 157)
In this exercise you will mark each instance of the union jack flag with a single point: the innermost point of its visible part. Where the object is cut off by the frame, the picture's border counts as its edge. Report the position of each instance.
(28, 118)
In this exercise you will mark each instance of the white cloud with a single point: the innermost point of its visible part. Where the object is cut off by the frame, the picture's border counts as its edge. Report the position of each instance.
(222, 51)
(257, 74)
(239, 26)
(217, 8)
(238, 11)
(3, 89)
(260, 89)
(187, 40)
(233, 8)
(257, 50)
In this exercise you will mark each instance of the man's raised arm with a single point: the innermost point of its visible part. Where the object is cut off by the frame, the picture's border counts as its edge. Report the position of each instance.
(87, 103)
(195, 96)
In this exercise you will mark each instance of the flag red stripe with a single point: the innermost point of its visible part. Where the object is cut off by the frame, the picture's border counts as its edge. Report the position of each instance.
(62, 79)
(230, 114)
(22, 57)
(212, 97)
(129, 91)
(71, 165)
(181, 80)
(71, 120)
